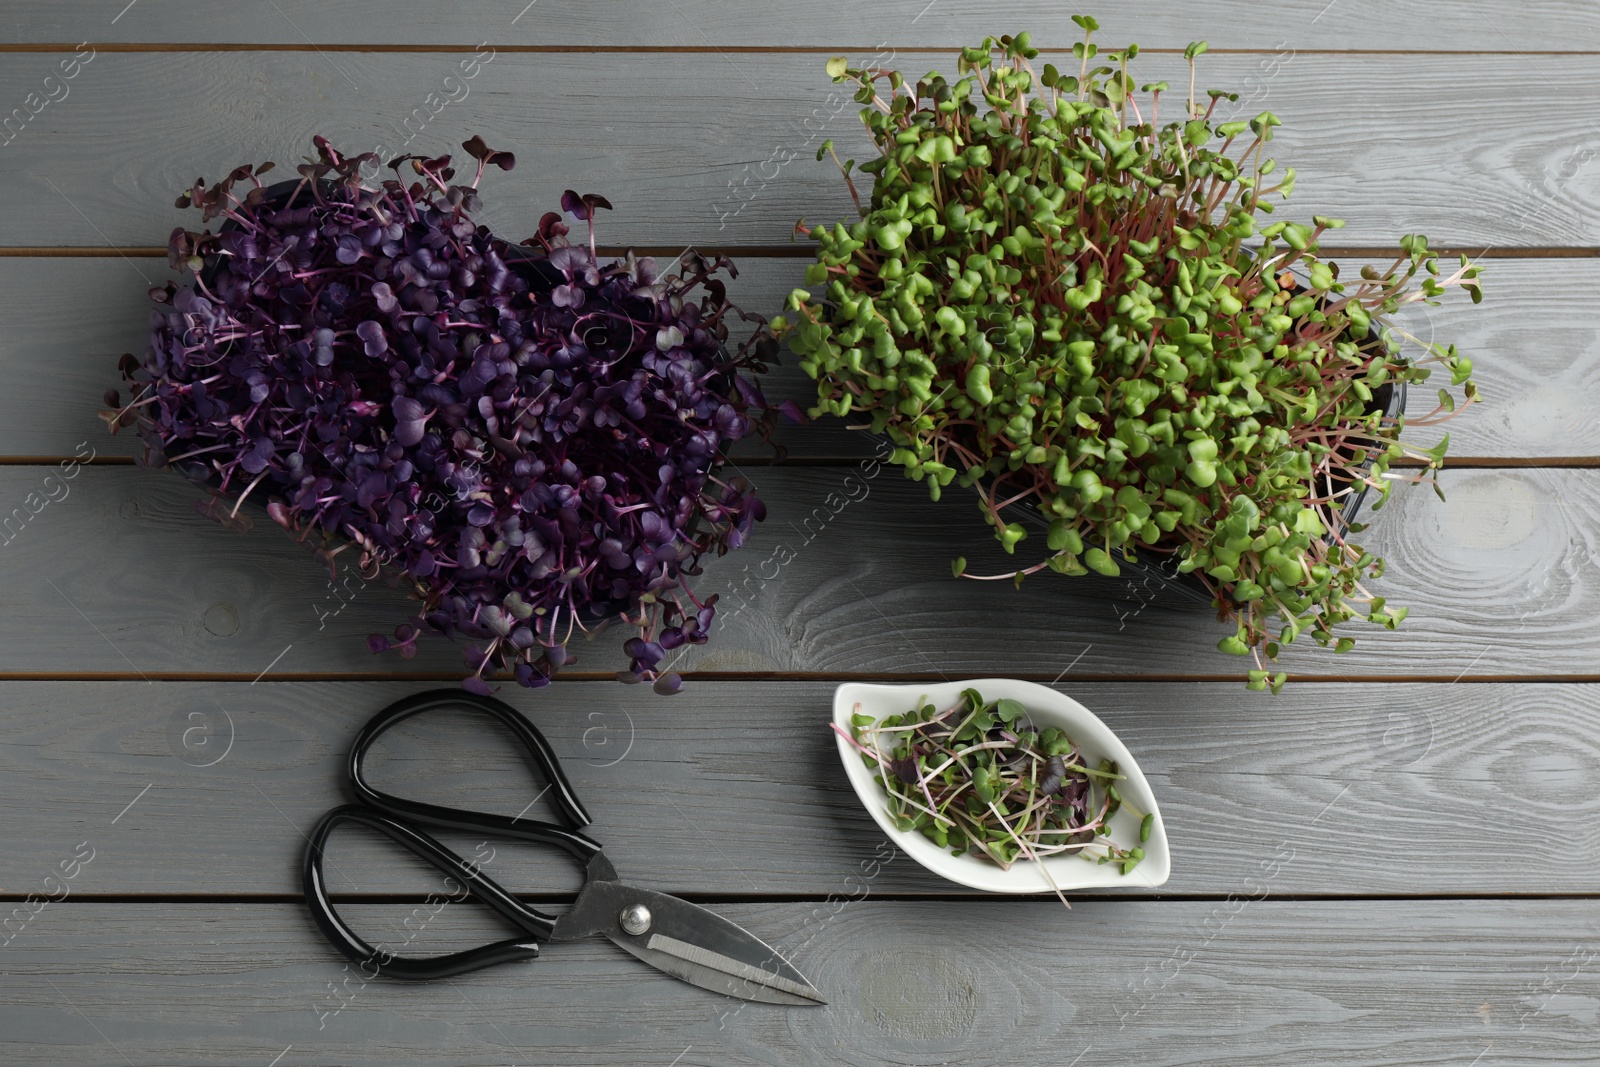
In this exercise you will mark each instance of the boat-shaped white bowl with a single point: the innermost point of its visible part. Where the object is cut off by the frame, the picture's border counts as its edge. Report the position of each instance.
(1047, 708)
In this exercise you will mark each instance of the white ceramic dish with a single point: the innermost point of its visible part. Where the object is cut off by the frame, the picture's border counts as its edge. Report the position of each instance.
(1047, 708)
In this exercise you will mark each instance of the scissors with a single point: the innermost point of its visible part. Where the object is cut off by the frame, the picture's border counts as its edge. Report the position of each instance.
(683, 939)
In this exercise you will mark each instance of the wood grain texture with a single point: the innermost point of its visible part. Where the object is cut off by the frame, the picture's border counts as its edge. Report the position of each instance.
(1411, 25)
(1343, 853)
(850, 573)
(1245, 983)
(722, 153)
(1534, 341)
(1505, 564)
(734, 789)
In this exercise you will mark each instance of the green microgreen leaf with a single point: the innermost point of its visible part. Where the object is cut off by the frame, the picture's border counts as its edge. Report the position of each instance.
(1030, 306)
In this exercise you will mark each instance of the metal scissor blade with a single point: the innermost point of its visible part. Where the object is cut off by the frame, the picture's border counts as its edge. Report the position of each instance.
(689, 942)
(719, 973)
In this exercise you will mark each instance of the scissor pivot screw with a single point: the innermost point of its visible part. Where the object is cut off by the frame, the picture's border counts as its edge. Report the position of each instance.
(635, 919)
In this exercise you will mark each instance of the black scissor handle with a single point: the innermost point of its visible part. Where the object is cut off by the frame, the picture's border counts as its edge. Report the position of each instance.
(375, 960)
(566, 801)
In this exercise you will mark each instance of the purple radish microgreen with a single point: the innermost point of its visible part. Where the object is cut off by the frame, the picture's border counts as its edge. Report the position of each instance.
(530, 439)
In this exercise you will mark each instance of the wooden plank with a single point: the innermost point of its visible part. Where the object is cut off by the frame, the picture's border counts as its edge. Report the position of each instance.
(1557, 25)
(719, 155)
(1537, 356)
(735, 789)
(1247, 981)
(1505, 564)
(850, 573)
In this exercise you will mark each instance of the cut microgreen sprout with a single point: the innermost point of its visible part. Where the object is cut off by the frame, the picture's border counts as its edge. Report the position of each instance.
(1032, 855)
(980, 777)
(877, 754)
(1110, 776)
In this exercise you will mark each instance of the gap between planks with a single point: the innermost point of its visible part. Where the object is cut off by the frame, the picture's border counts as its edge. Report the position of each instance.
(884, 677)
(1100, 895)
(1451, 463)
(797, 251)
(711, 49)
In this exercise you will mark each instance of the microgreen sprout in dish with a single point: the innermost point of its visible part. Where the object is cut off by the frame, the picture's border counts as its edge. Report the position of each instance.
(980, 777)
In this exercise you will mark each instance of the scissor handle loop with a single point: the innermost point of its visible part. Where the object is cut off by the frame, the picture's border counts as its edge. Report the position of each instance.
(375, 960)
(565, 800)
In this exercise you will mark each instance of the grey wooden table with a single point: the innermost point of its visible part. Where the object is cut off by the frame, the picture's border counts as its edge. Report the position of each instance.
(1394, 862)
